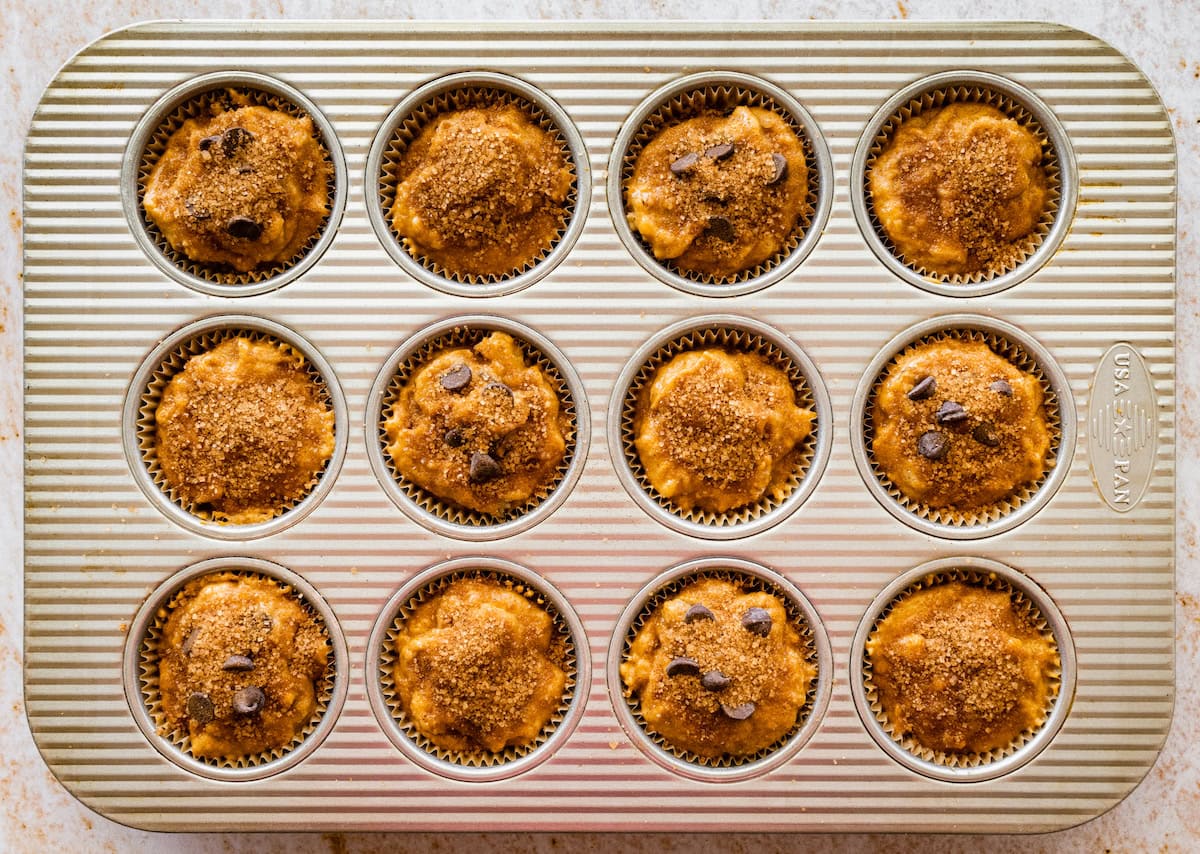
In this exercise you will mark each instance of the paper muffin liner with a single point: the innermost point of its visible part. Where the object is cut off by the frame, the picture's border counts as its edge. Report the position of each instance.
(736, 340)
(941, 96)
(149, 652)
(1022, 604)
(950, 517)
(469, 96)
(226, 97)
(564, 652)
(468, 335)
(150, 396)
(722, 98)
(747, 583)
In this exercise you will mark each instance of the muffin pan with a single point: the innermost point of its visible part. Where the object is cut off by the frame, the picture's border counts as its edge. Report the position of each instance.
(1096, 312)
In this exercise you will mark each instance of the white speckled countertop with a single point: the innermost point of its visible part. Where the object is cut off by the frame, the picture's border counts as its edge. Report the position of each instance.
(1162, 814)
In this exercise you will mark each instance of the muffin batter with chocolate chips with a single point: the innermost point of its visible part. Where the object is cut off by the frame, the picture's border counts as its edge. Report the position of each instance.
(718, 670)
(480, 667)
(242, 431)
(481, 191)
(720, 194)
(478, 427)
(716, 430)
(240, 666)
(960, 189)
(957, 426)
(961, 670)
(242, 187)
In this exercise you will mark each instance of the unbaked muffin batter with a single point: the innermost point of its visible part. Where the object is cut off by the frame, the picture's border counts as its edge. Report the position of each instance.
(479, 667)
(240, 665)
(720, 194)
(958, 189)
(961, 670)
(242, 431)
(718, 670)
(716, 430)
(242, 187)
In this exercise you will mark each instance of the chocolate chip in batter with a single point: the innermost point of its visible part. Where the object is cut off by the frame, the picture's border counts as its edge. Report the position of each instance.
(684, 164)
(721, 151)
(697, 612)
(457, 378)
(454, 438)
(244, 227)
(683, 666)
(933, 445)
(985, 434)
(483, 467)
(238, 664)
(715, 680)
(189, 641)
(721, 228)
(200, 708)
(924, 388)
(950, 412)
(249, 700)
(1002, 387)
(780, 165)
(235, 138)
(757, 621)
(208, 142)
(738, 713)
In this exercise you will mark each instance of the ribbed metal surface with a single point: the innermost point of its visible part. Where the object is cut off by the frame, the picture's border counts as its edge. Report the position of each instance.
(95, 547)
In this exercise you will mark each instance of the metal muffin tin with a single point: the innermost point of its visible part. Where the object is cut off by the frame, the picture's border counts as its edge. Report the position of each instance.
(97, 302)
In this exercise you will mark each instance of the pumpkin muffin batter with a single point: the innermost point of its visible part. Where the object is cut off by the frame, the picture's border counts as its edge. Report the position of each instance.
(242, 431)
(479, 667)
(478, 427)
(481, 191)
(718, 671)
(958, 190)
(240, 665)
(961, 670)
(716, 430)
(958, 426)
(240, 187)
(719, 195)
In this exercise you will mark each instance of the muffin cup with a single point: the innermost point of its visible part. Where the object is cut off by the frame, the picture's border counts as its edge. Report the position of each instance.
(720, 91)
(482, 765)
(145, 392)
(459, 91)
(149, 140)
(1025, 353)
(964, 767)
(1014, 101)
(739, 334)
(140, 673)
(421, 505)
(751, 577)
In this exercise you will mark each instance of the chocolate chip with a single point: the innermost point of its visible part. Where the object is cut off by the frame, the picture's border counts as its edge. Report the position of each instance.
(757, 621)
(697, 612)
(738, 713)
(714, 200)
(235, 138)
(1001, 387)
(208, 142)
(200, 708)
(454, 438)
(238, 664)
(195, 213)
(715, 680)
(189, 641)
(249, 701)
(500, 387)
(950, 412)
(924, 388)
(985, 434)
(457, 378)
(244, 227)
(682, 666)
(483, 467)
(933, 445)
(779, 163)
(685, 164)
(720, 228)
(245, 170)
(722, 151)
